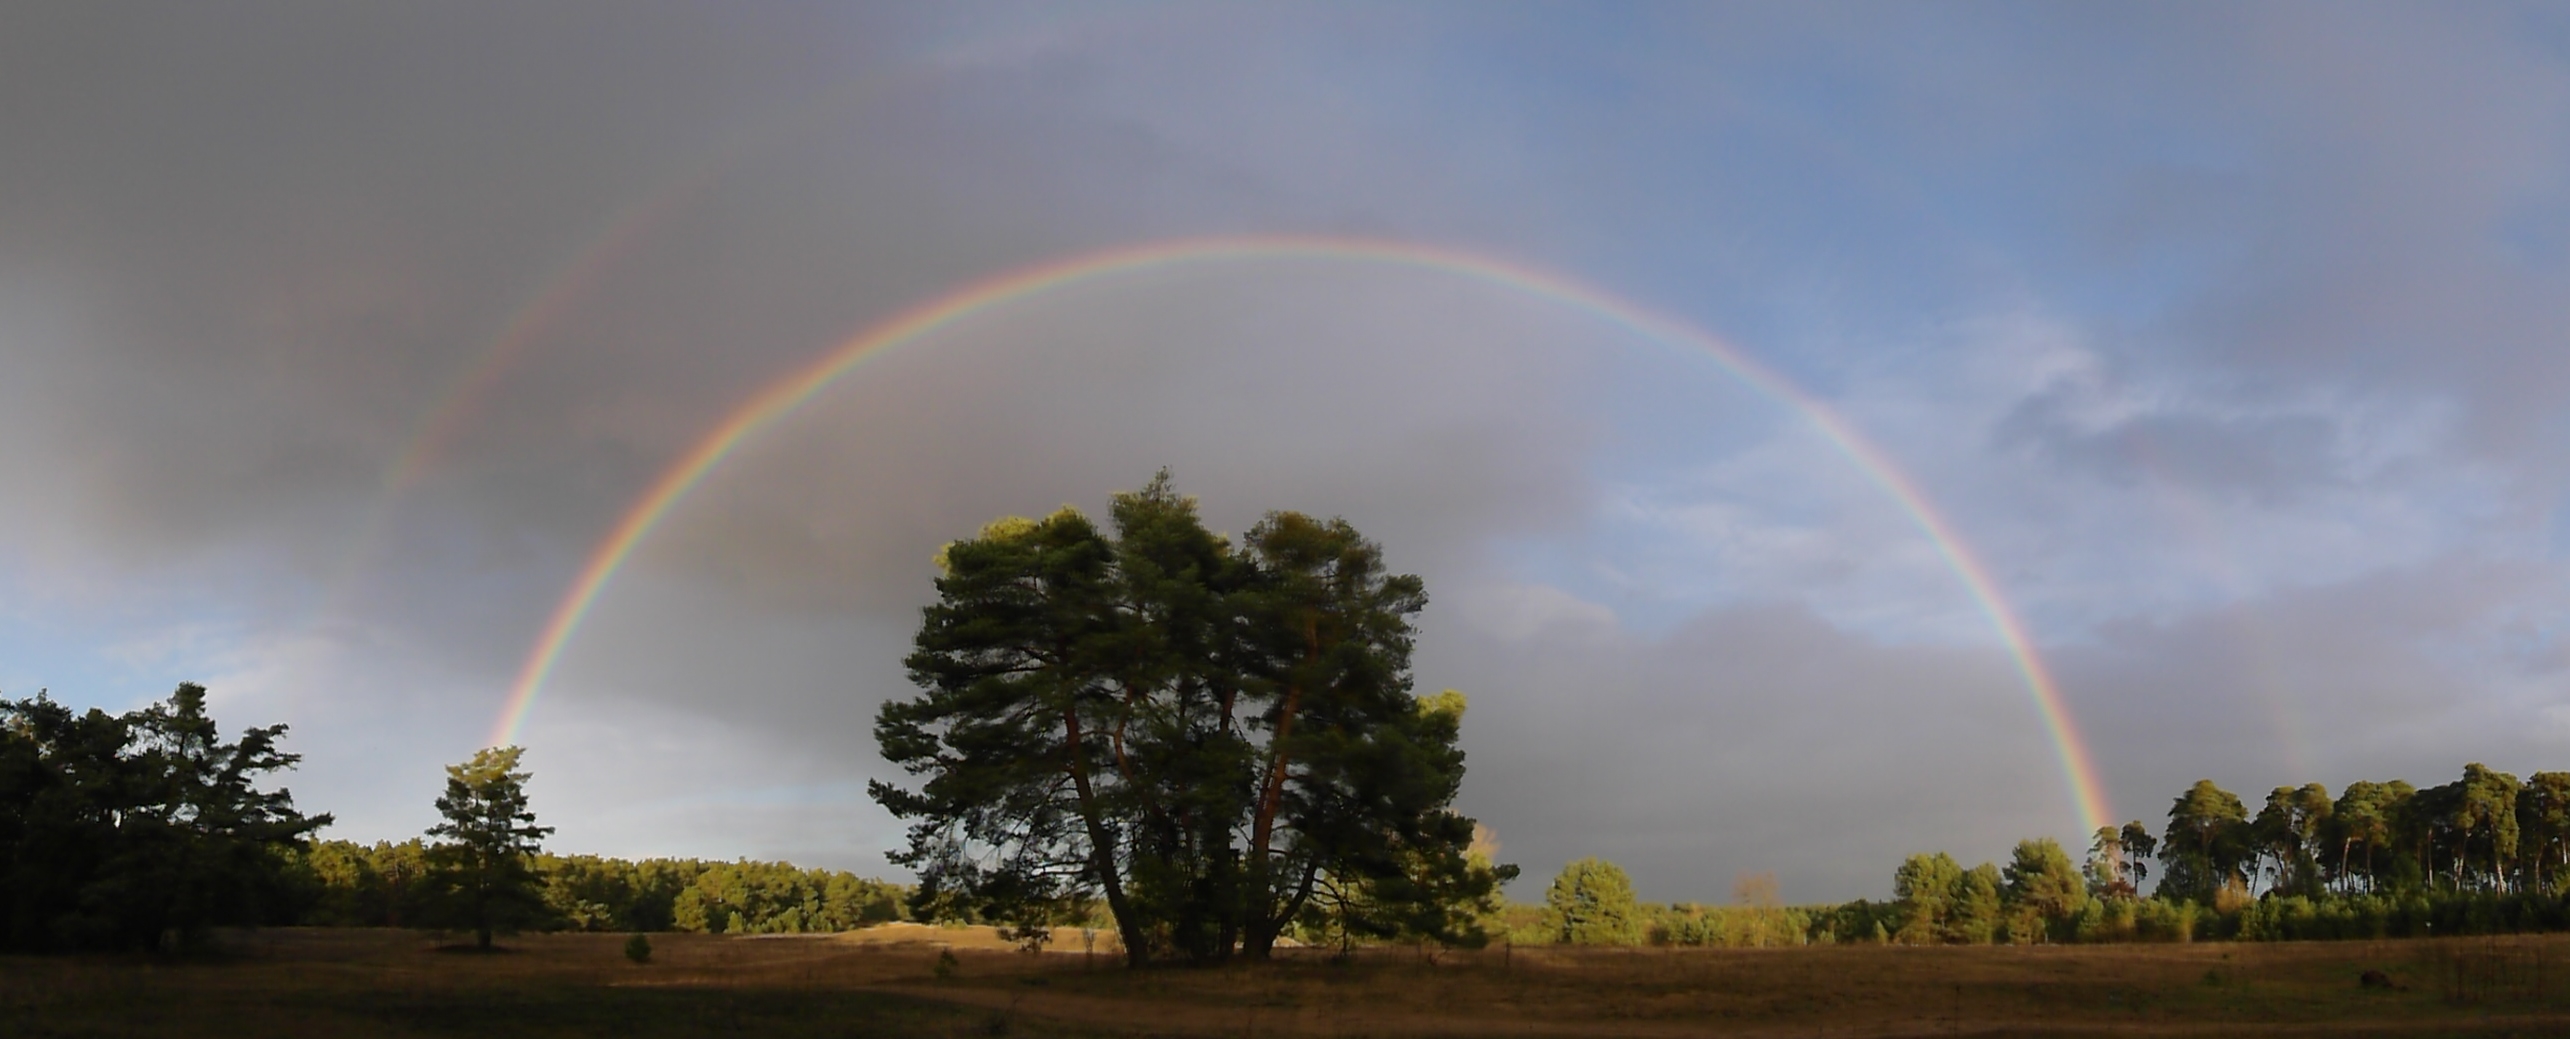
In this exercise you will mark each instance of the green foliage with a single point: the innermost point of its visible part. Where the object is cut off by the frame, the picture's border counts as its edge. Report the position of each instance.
(1939, 902)
(1728, 927)
(2106, 920)
(2206, 843)
(480, 871)
(2044, 894)
(1421, 895)
(1861, 922)
(774, 898)
(2360, 828)
(589, 893)
(128, 831)
(2119, 860)
(1591, 903)
(2485, 818)
(2414, 914)
(638, 948)
(2287, 836)
(2543, 826)
(1206, 737)
(1928, 890)
(361, 886)
(2484, 854)
(355, 885)
(2484, 832)
(1979, 916)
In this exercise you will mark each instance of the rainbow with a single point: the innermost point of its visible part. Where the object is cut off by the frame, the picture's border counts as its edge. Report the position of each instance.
(784, 395)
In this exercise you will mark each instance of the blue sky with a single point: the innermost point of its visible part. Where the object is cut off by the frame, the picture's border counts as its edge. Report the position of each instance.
(2232, 339)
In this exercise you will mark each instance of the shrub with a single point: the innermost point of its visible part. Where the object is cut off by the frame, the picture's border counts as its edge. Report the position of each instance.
(1591, 903)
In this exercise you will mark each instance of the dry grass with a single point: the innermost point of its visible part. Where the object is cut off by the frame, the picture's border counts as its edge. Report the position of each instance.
(884, 982)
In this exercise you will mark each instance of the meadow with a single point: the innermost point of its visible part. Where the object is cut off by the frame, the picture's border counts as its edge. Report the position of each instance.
(913, 980)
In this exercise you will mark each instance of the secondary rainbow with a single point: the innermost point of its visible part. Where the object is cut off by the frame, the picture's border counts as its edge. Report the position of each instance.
(784, 395)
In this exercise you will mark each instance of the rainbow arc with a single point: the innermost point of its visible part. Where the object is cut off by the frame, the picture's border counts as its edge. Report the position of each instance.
(783, 396)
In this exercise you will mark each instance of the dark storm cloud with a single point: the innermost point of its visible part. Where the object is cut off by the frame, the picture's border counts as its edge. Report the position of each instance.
(268, 237)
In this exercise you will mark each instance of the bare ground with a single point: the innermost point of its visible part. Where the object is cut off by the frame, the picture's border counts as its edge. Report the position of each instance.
(886, 981)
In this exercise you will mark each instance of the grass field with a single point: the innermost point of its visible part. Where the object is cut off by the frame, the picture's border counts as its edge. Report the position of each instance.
(886, 982)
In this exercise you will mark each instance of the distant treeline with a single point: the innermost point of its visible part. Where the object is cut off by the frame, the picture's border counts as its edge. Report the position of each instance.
(2484, 854)
(345, 884)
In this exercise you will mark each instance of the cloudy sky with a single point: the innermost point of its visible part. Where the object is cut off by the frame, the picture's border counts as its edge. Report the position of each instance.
(2233, 341)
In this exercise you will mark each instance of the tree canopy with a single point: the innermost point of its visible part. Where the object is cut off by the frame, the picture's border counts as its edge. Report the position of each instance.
(480, 868)
(1202, 734)
(1591, 903)
(134, 830)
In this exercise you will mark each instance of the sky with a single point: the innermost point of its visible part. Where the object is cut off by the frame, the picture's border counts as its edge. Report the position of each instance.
(1748, 383)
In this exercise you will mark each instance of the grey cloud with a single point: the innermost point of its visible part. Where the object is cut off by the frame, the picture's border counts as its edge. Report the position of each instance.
(2390, 154)
(1748, 739)
(2402, 673)
(2260, 200)
(1433, 412)
(275, 233)
(2271, 455)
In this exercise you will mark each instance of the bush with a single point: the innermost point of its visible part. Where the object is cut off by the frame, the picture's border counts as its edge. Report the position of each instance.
(1753, 926)
(1591, 903)
(360, 886)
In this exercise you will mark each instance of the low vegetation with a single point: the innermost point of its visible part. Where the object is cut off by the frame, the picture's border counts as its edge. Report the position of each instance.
(933, 982)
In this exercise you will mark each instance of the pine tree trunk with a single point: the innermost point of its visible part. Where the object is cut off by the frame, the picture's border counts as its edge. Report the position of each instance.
(482, 909)
(1271, 796)
(1101, 846)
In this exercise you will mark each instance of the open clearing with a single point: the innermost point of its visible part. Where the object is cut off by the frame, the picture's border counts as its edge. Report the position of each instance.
(884, 982)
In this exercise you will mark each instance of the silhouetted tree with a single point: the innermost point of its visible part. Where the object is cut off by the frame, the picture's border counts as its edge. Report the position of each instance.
(127, 831)
(2427, 823)
(2205, 844)
(2138, 846)
(2359, 821)
(1431, 891)
(1349, 761)
(2286, 833)
(2485, 815)
(481, 865)
(2543, 830)
(1203, 735)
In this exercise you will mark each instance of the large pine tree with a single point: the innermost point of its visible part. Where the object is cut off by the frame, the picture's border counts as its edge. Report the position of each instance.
(1203, 735)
